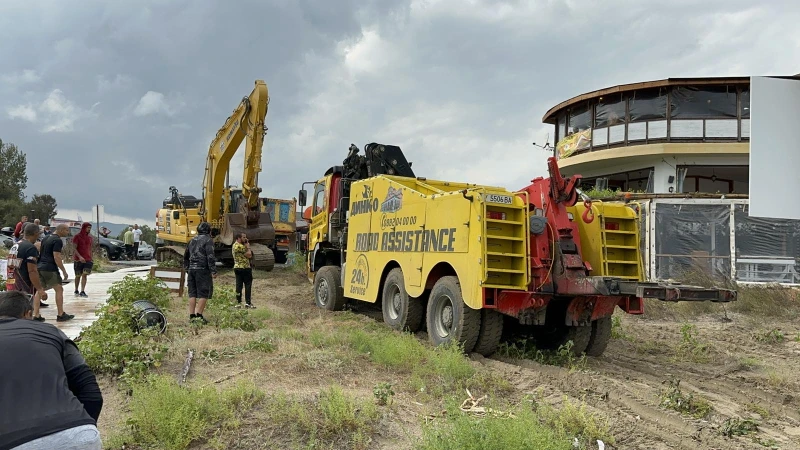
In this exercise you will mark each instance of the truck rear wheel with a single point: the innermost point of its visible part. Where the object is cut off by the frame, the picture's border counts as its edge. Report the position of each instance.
(491, 332)
(601, 334)
(400, 311)
(449, 318)
(328, 291)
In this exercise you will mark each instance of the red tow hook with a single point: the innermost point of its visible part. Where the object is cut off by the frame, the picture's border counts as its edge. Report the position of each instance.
(588, 215)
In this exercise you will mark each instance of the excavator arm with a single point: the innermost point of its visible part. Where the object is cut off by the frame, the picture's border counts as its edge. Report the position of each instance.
(247, 121)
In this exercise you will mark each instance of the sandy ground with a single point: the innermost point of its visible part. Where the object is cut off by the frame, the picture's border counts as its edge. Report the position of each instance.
(727, 360)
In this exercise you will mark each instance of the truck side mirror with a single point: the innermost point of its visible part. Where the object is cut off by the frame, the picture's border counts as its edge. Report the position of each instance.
(302, 197)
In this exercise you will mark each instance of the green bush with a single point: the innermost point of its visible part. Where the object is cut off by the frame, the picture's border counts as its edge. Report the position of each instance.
(111, 344)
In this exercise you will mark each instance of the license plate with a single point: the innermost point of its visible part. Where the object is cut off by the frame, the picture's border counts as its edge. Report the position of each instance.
(502, 199)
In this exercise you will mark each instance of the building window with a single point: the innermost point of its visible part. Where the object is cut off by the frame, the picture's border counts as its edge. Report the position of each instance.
(745, 103)
(610, 110)
(561, 128)
(579, 118)
(706, 102)
(648, 104)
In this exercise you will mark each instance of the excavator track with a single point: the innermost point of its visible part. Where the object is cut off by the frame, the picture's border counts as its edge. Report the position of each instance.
(170, 252)
(263, 257)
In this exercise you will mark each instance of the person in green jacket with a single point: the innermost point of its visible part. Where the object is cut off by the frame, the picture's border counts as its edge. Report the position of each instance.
(128, 240)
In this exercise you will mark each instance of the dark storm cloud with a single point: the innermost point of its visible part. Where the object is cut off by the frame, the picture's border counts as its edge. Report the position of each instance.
(126, 98)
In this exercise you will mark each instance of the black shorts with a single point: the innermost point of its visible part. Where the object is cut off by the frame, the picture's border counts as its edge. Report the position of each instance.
(200, 284)
(82, 268)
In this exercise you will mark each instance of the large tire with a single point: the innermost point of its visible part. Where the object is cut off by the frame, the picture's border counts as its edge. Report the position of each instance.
(400, 311)
(449, 318)
(328, 291)
(491, 332)
(601, 335)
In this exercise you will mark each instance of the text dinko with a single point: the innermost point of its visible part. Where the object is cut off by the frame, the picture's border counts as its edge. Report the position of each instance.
(441, 240)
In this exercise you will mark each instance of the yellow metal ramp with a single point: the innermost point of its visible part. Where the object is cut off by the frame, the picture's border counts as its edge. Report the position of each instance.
(505, 246)
(620, 238)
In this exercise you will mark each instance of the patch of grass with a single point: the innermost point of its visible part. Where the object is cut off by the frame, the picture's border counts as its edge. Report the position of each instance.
(463, 431)
(526, 349)
(526, 426)
(333, 417)
(264, 344)
(673, 398)
(574, 419)
(773, 336)
(222, 313)
(757, 409)
(111, 344)
(164, 415)
(735, 426)
(690, 347)
(749, 363)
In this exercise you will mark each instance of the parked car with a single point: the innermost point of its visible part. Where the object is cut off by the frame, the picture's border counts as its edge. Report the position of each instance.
(6, 241)
(112, 249)
(146, 251)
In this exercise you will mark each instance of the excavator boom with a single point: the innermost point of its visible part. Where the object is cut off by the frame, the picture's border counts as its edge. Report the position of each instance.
(247, 121)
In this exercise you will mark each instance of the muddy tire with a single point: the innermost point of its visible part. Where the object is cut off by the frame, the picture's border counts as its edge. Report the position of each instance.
(491, 332)
(328, 291)
(449, 318)
(601, 335)
(400, 312)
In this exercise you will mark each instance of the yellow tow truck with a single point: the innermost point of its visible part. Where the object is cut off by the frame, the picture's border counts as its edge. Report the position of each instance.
(466, 260)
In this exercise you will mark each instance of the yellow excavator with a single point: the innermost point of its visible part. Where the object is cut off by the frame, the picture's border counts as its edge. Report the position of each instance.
(229, 210)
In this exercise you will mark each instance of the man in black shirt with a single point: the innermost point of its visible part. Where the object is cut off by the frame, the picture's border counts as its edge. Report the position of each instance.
(200, 262)
(26, 274)
(50, 262)
(52, 398)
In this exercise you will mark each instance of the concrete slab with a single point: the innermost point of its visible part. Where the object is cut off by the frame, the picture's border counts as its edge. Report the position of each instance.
(84, 308)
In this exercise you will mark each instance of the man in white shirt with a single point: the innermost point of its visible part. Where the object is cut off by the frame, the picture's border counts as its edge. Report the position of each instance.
(137, 237)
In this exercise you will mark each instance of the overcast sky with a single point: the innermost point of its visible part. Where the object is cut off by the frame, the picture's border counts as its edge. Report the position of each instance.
(114, 102)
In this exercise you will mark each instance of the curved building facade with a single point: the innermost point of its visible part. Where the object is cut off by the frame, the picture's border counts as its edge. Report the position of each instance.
(677, 135)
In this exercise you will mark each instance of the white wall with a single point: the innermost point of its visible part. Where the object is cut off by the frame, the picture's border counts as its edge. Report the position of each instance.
(774, 152)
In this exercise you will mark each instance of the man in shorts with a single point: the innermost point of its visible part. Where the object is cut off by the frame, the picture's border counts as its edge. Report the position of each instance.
(201, 265)
(26, 274)
(82, 257)
(50, 261)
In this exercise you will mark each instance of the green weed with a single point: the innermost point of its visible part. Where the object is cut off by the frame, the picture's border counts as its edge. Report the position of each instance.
(735, 426)
(563, 356)
(673, 398)
(334, 417)
(167, 416)
(691, 348)
(773, 336)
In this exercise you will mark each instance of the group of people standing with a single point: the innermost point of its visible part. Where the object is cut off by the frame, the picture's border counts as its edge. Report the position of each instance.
(200, 263)
(132, 238)
(54, 400)
(36, 265)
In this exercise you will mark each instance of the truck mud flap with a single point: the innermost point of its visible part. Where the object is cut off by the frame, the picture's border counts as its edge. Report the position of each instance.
(676, 293)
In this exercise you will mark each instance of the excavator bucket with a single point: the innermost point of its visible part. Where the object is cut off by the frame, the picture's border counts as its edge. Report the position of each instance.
(258, 227)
